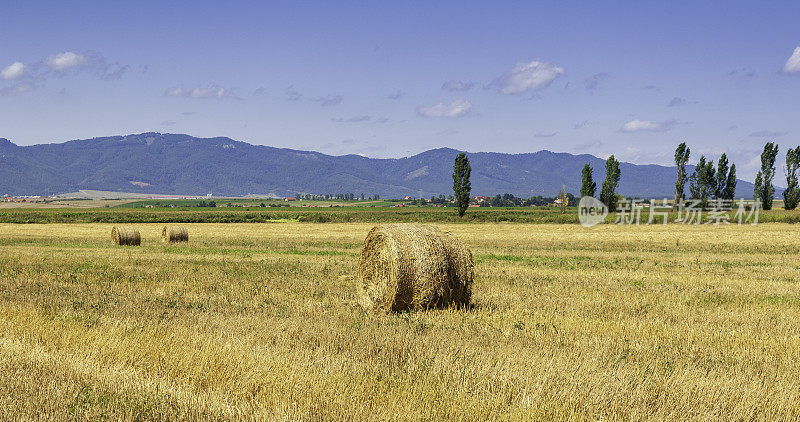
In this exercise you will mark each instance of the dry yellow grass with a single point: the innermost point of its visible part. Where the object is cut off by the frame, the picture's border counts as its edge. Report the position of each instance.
(259, 321)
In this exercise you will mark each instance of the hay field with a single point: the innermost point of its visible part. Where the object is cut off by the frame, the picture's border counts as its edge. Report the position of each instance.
(260, 321)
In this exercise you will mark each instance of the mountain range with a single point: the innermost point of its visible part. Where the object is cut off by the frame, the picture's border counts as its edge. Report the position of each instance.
(155, 163)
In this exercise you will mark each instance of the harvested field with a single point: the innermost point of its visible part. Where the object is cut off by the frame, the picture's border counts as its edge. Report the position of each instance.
(261, 321)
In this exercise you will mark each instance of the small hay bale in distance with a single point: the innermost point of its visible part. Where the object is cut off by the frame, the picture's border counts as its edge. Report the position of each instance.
(413, 266)
(175, 234)
(126, 236)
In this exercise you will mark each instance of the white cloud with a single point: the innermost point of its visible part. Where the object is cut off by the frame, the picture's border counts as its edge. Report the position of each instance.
(527, 77)
(648, 126)
(457, 86)
(175, 92)
(793, 64)
(457, 108)
(64, 61)
(12, 71)
(31, 77)
(211, 91)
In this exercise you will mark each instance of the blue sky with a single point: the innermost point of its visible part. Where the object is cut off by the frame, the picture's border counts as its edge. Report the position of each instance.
(391, 79)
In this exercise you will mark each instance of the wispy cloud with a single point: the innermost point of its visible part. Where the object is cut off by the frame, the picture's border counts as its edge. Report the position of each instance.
(330, 100)
(793, 64)
(742, 72)
(168, 123)
(592, 82)
(457, 86)
(458, 108)
(587, 145)
(211, 91)
(89, 61)
(293, 95)
(354, 119)
(28, 77)
(395, 95)
(526, 77)
(648, 126)
(17, 89)
(679, 101)
(582, 124)
(651, 88)
(767, 134)
(545, 135)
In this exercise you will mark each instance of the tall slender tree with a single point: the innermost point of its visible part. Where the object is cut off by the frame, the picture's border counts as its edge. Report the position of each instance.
(764, 190)
(730, 184)
(588, 186)
(461, 184)
(681, 158)
(607, 194)
(703, 183)
(757, 189)
(791, 196)
(722, 177)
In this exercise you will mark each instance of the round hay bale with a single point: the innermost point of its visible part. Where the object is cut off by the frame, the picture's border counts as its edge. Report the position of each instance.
(413, 266)
(126, 236)
(175, 234)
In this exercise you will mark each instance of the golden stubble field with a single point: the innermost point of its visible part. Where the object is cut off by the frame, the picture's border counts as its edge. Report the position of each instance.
(260, 321)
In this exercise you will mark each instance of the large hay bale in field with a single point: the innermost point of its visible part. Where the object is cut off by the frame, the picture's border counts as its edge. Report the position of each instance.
(125, 235)
(175, 234)
(413, 266)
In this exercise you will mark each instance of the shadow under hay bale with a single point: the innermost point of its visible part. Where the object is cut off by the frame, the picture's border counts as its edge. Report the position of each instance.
(126, 236)
(175, 234)
(413, 266)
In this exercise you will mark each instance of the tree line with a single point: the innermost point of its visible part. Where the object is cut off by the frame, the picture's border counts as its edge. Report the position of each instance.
(709, 182)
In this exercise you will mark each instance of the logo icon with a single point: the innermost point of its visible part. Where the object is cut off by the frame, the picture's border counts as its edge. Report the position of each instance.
(591, 211)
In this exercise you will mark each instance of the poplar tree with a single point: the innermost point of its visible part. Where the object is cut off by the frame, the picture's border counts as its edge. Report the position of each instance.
(461, 184)
(588, 186)
(681, 157)
(791, 196)
(703, 183)
(764, 189)
(608, 196)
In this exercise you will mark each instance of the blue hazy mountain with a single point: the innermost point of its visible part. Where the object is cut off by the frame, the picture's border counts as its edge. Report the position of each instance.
(182, 164)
